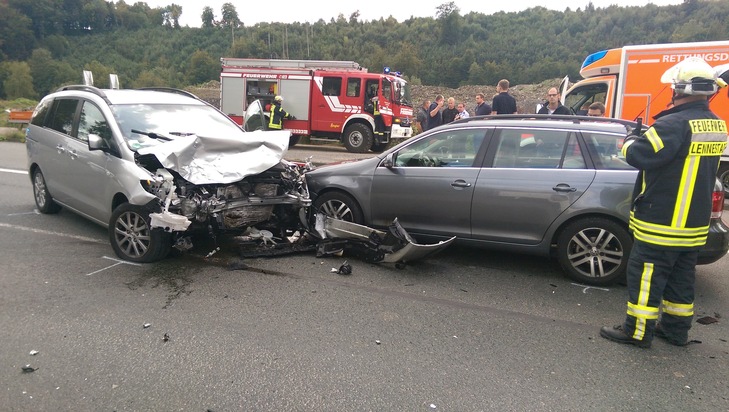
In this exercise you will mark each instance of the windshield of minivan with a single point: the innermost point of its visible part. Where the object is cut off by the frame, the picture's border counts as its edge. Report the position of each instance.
(144, 125)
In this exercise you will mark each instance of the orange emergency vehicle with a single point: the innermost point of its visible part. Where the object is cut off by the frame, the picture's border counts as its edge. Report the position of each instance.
(329, 99)
(627, 81)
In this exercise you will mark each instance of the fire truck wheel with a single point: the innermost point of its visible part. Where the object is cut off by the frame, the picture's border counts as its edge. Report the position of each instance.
(293, 140)
(358, 138)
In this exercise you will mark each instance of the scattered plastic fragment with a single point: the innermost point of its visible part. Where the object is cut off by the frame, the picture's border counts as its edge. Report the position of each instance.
(706, 320)
(432, 406)
(28, 369)
(377, 341)
(166, 337)
(214, 251)
(33, 352)
(146, 325)
(345, 269)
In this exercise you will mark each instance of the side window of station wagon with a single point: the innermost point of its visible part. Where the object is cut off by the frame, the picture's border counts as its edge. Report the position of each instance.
(450, 148)
(538, 149)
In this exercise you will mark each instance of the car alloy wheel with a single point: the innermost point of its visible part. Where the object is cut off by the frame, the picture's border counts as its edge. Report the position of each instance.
(594, 251)
(132, 237)
(43, 199)
(340, 206)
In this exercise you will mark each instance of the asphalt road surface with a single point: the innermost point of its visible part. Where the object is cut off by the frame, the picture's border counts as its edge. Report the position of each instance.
(467, 330)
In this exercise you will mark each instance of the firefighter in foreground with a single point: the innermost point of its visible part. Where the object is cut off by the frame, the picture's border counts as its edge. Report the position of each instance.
(278, 114)
(678, 158)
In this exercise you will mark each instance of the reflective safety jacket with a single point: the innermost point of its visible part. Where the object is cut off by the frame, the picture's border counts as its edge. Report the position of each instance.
(275, 119)
(678, 158)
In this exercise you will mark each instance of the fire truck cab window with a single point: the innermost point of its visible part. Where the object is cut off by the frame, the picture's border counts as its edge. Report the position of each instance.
(353, 86)
(332, 86)
(386, 89)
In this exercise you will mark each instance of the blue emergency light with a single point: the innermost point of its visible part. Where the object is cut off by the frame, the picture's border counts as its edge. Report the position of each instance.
(593, 58)
(386, 70)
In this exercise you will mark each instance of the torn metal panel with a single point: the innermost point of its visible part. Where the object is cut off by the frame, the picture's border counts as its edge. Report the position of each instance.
(206, 160)
(374, 245)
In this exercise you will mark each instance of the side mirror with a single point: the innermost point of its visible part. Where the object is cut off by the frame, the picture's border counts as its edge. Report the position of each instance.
(96, 142)
(388, 161)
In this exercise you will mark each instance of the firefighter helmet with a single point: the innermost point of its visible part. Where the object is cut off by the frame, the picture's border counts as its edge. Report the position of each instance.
(692, 76)
(278, 99)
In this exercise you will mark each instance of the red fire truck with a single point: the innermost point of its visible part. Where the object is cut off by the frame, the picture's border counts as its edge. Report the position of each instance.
(329, 99)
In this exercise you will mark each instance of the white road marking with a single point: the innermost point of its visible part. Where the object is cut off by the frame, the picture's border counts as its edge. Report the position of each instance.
(50, 232)
(590, 287)
(118, 262)
(34, 212)
(20, 172)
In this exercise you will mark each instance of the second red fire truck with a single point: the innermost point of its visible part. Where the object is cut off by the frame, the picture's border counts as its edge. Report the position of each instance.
(329, 99)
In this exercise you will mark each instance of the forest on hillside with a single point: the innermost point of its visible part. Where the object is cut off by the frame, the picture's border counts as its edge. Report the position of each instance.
(47, 43)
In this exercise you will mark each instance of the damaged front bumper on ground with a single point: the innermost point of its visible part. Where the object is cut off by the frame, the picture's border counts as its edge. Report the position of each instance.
(334, 237)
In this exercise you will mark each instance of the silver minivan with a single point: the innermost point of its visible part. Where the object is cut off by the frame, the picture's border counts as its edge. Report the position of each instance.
(157, 166)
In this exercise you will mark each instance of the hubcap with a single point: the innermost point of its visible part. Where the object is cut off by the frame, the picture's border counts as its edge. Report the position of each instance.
(40, 190)
(355, 139)
(337, 210)
(132, 234)
(595, 252)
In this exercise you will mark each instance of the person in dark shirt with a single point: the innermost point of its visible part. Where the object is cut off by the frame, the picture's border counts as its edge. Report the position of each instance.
(450, 112)
(435, 117)
(422, 116)
(482, 108)
(503, 103)
(554, 106)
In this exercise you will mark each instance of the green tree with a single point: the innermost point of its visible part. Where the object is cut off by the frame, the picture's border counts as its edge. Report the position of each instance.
(202, 68)
(230, 16)
(19, 82)
(450, 23)
(208, 17)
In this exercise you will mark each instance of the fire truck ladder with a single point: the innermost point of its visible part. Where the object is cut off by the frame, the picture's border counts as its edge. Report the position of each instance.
(292, 64)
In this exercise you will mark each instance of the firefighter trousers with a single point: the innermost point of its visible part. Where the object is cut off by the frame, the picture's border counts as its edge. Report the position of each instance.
(659, 277)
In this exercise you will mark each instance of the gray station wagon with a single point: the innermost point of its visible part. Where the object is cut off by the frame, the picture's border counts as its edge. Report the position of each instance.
(545, 185)
(159, 166)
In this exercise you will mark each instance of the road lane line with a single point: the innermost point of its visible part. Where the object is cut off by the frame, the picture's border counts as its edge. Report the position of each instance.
(20, 172)
(118, 262)
(49, 232)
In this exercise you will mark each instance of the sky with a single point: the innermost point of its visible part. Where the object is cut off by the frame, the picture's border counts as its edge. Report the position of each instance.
(290, 11)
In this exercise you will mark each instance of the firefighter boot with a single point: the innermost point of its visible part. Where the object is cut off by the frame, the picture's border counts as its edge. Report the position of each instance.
(617, 334)
(660, 333)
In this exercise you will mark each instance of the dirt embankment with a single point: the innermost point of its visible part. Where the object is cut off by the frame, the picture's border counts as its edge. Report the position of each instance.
(527, 95)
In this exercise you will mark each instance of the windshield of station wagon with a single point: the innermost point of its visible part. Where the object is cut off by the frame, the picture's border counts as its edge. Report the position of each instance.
(169, 121)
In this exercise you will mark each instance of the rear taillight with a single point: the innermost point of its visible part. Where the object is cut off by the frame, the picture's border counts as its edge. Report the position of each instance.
(717, 204)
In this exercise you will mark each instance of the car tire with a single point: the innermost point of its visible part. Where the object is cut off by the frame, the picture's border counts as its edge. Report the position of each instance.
(43, 199)
(594, 251)
(723, 175)
(132, 237)
(358, 138)
(339, 205)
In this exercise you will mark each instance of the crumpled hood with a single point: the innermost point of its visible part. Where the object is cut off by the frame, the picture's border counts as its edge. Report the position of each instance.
(205, 160)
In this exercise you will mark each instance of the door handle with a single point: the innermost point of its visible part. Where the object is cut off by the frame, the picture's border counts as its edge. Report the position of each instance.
(60, 149)
(564, 187)
(73, 154)
(460, 183)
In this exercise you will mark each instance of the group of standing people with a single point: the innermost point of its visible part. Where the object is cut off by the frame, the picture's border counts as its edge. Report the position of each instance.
(433, 114)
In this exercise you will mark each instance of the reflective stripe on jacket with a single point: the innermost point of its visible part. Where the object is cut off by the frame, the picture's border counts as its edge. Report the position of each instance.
(275, 120)
(678, 158)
